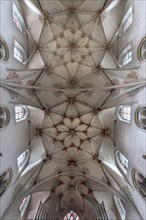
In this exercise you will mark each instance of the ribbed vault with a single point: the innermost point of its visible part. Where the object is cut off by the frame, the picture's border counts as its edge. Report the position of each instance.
(72, 81)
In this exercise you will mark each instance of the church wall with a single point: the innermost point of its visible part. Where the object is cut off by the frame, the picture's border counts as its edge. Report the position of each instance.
(14, 137)
(130, 139)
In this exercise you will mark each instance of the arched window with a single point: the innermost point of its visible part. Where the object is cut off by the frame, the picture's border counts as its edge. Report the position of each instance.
(5, 180)
(127, 57)
(4, 51)
(22, 160)
(124, 113)
(19, 52)
(141, 52)
(23, 206)
(4, 116)
(140, 117)
(126, 21)
(18, 19)
(122, 162)
(120, 208)
(71, 216)
(21, 112)
(139, 182)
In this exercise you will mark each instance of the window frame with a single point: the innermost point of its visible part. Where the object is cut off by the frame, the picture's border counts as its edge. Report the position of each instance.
(22, 160)
(121, 166)
(8, 182)
(134, 180)
(18, 19)
(25, 109)
(119, 116)
(127, 58)
(128, 49)
(129, 15)
(139, 115)
(120, 207)
(19, 51)
(5, 116)
(24, 205)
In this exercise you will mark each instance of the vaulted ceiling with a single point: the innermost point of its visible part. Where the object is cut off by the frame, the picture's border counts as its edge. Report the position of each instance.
(73, 80)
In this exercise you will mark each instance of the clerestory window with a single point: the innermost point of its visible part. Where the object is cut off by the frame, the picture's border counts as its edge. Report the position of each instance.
(124, 113)
(22, 160)
(21, 112)
(139, 182)
(127, 57)
(23, 206)
(126, 21)
(122, 162)
(120, 208)
(18, 19)
(5, 180)
(140, 117)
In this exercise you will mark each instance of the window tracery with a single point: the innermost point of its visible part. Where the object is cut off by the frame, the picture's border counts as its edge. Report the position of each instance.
(4, 51)
(126, 21)
(140, 117)
(141, 53)
(4, 116)
(71, 216)
(18, 19)
(22, 160)
(120, 208)
(24, 204)
(122, 162)
(21, 112)
(19, 53)
(139, 182)
(124, 113)
(5, 180)
(127, 57)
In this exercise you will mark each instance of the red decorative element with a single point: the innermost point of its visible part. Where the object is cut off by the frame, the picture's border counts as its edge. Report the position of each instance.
(83, 183)
(64, 149)
(105, 132)
(79, 148)
(99, 161)
(90, 191)
(95, 156)
(49, 156)
(39, 132)
(71, 100)
(132, 75)
(72, 162)
(44, 160)
(47, 111)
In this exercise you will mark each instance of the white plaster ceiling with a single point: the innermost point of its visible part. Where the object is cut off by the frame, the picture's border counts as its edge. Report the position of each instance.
(72, 76)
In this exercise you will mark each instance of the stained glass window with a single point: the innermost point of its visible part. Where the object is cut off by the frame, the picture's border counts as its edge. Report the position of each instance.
(71, 216)
(24, 204)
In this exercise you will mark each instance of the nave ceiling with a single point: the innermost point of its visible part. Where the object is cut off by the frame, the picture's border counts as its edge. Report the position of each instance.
(73, 84)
